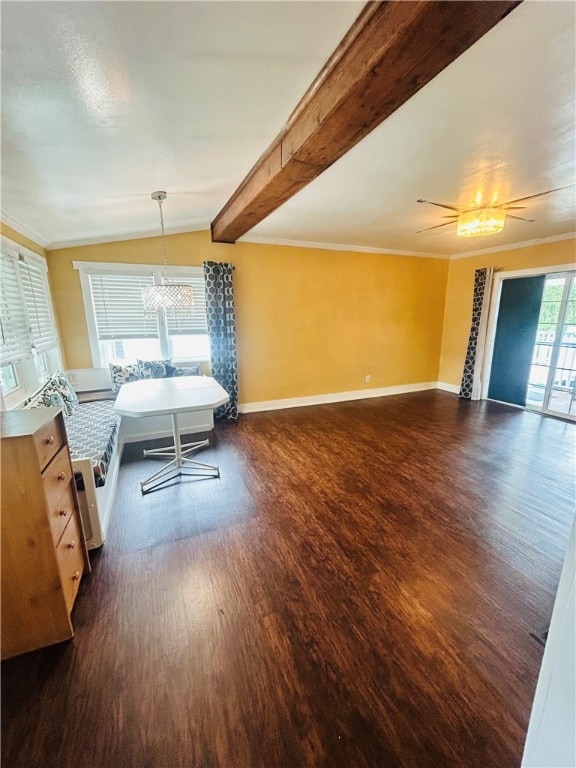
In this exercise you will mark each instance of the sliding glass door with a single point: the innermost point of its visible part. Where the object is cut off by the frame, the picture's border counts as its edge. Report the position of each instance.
(552, 379)
(516, 334)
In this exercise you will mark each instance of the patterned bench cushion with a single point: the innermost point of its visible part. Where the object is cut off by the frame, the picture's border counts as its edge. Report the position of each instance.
(92, 432)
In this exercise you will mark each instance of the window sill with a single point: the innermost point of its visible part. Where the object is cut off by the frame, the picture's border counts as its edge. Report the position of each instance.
(183, 362)
(15, 399)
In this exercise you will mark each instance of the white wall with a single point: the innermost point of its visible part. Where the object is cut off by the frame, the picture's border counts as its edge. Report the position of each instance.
(551, 739)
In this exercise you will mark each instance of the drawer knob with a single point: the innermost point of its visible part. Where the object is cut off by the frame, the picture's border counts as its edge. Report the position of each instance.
(61, 476)
(76, 576)
(49, 440)
(72, 545)
(63, 512)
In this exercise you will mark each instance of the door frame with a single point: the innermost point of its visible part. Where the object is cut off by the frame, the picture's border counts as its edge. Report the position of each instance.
(495, 308)
(556, 350)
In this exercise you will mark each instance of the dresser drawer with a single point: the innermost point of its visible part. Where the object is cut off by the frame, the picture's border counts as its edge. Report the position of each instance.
(48, 440)
(70, 561)
(43, 553)
(60, 513)
(57, 477)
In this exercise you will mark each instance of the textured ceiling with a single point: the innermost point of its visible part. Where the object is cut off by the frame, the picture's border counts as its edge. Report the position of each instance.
(104, 102)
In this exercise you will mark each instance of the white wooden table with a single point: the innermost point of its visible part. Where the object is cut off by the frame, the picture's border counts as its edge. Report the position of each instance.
(161, 397)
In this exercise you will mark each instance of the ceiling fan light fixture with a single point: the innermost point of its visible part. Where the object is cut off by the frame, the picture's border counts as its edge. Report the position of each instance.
(166, 295)
(483, 221)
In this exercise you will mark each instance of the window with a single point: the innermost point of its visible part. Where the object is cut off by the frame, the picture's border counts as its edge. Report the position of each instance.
(29, 350)
(43, 366)
(121, 331)
(15, 344)
(41, 328)
(187, 332)
(8, 379)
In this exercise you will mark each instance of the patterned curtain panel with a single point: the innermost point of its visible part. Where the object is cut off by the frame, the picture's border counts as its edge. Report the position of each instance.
(471, 378)
(222, 332)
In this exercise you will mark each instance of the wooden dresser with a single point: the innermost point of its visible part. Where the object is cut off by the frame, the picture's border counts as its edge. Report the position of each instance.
(43, 550)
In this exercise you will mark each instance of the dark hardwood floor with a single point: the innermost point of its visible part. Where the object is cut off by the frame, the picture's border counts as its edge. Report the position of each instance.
(356, 591)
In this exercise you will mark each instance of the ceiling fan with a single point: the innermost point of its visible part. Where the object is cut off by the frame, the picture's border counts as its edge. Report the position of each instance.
(483, 219)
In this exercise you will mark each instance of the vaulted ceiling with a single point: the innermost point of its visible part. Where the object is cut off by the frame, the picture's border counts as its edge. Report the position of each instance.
(105, 102)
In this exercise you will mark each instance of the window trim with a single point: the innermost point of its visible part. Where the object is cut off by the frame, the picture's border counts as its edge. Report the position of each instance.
(29, 378)
(19, 340)
(34, 261)
(87, 268)
(23, 255)
(17, 394)
(14, 376)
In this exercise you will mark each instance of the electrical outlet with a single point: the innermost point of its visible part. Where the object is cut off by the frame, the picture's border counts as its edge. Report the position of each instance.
(367, 378)
(73, 379)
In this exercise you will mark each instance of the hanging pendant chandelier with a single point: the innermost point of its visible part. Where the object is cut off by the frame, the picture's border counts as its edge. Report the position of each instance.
(166, 295)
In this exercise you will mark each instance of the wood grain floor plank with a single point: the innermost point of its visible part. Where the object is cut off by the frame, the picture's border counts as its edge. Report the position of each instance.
(356, 591)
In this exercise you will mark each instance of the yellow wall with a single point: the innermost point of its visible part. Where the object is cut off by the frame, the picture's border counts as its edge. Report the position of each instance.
(458, 308)
(11, 234)
(315, 321)
(309, 321)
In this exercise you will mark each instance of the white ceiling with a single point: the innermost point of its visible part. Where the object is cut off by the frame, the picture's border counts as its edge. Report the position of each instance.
(104, 102)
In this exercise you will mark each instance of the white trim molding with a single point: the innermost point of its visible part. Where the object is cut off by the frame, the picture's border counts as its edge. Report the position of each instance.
(446, 387)
(335, 397)
(513, 246)
(91, 379)
(260, 240)
(202, 226)
(533, 271)
(16, 250)
(23, 229)
(137, 269)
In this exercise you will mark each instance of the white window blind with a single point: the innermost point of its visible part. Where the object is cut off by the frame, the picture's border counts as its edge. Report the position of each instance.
(14, 338)
(183, 322)
(37, 305)
(118, 306)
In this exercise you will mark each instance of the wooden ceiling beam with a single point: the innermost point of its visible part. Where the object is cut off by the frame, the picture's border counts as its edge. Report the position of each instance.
(391, 51)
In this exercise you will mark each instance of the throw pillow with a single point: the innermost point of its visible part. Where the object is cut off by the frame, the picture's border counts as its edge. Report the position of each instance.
(153, 369)
(46, 400)
(122, 374)
(56, 392)
(61, 384)
(192, 370)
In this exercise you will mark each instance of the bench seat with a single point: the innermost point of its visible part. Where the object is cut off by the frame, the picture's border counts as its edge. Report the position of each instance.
(92, 434)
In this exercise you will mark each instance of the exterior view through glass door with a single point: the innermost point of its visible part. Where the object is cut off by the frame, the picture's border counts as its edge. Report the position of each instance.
(552, 380)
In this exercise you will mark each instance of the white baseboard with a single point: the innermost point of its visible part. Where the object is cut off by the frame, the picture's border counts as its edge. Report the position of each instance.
(454, 388)
(92, 379)
(335, 397)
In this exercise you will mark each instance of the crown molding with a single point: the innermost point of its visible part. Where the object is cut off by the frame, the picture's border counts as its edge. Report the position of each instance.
(513, 246)
(258, 240)
(200, 227)
(204, 225)
(23, 229)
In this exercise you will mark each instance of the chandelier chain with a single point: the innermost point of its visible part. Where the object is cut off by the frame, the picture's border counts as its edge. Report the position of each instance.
(165, 296)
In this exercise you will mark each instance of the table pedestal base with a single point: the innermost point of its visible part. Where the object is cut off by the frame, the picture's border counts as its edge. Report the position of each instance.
(180, 465)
